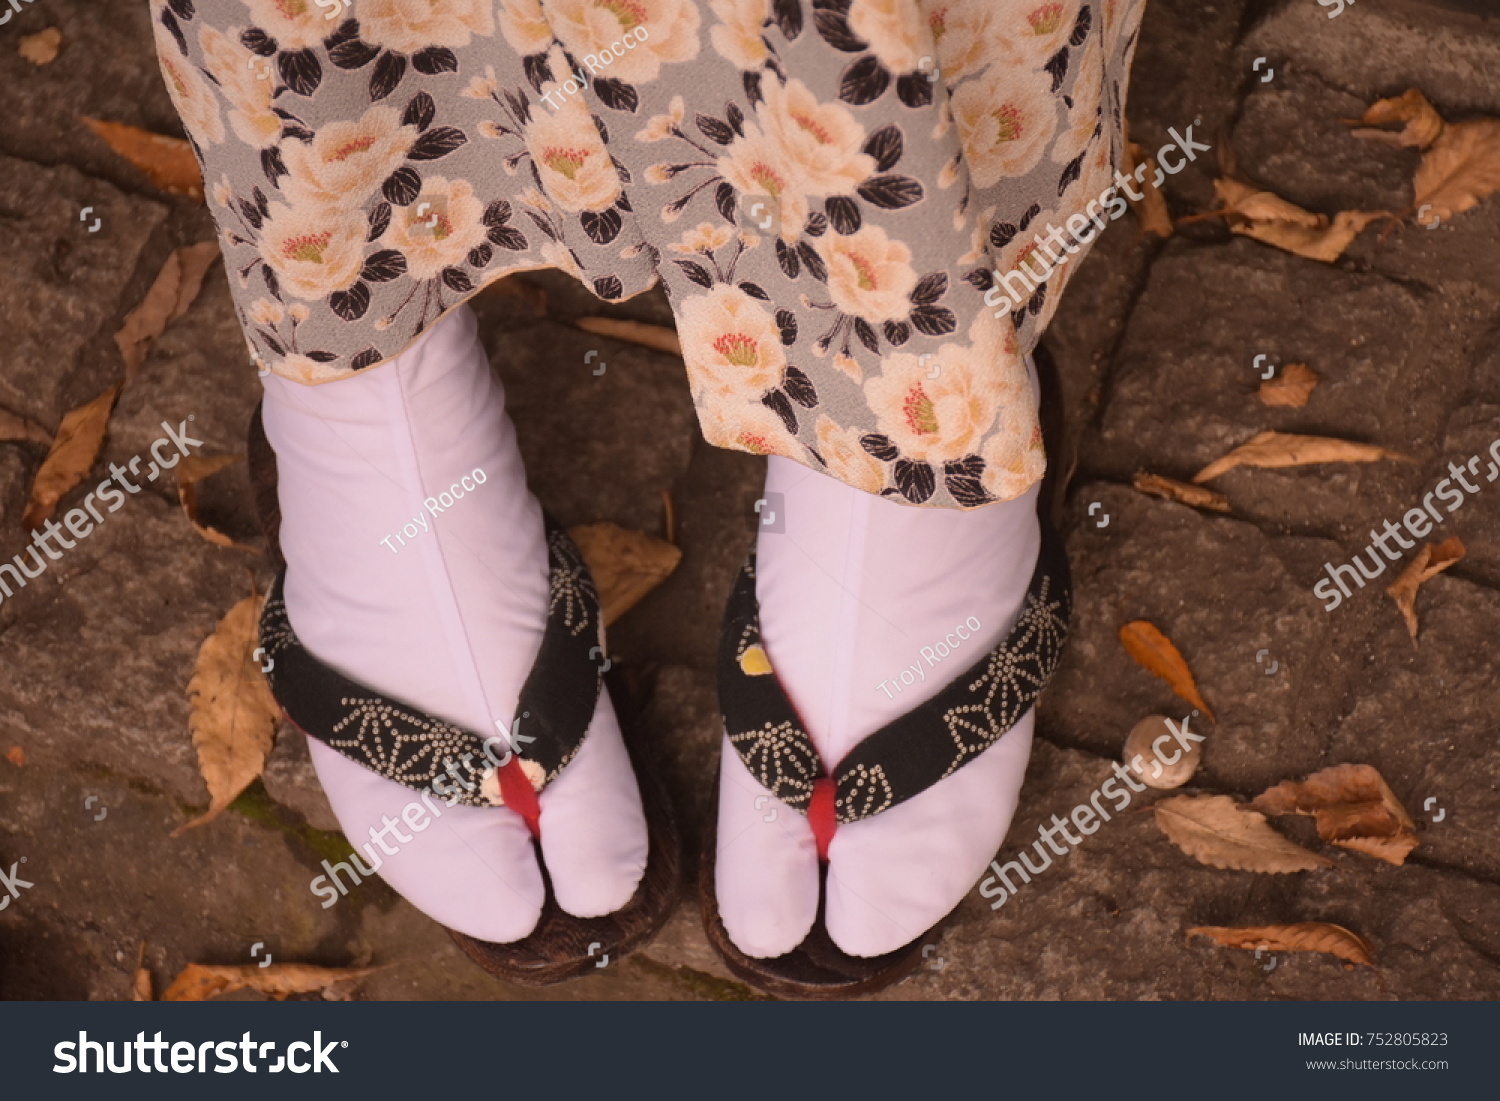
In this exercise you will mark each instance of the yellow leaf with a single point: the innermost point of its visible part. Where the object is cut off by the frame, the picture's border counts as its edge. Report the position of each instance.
(1291, 388)
(1422, 123)
(167, 162)
(1172, 490)
(1461, 168)
(1321, 242)
(1154, 652)
(72, 455)
(175, 288)
(1430, 561)
(233, 716)
(1303, 936)
(1217, 831)
(636, 332)
(1279, 449)
(1250, 202)
(199, 981)
(626, 564)
(41, 48)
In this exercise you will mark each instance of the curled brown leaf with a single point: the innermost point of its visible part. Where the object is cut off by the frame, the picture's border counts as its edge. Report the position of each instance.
(1272, 450)
(1430, 561)
(1302, 936)
(1291, 388)
(626, 565)
(1154, 652)
(1421, 124)
(191, 470)
(167, 162)
(172, 292)
(1352, 806)
(1325, 241)
(1461, 168)
(1172, 490)
(1217, 831)
(72, 455)
(198, 981)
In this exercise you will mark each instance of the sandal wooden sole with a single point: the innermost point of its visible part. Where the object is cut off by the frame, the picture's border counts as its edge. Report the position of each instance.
(561, 946)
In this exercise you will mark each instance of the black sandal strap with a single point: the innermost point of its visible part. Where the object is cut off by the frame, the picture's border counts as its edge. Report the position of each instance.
(404, 744)
(913, 752)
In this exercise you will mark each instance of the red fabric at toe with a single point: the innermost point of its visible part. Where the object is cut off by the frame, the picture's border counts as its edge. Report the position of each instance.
(821, 815)
(519, 795)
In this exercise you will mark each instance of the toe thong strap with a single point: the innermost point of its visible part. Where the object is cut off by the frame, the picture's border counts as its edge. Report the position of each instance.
(404, 744)
(910, 754)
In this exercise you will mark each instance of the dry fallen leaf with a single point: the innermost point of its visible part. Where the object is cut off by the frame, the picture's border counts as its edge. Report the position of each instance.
(175, 288)
(13, 427)
(16, 756)
(1303, 936)
(1292, 387)
(1325, 241)
(1181, 492)
(233, 716)
(200, 981)
(1151, 210)
(637, 332)
(1461, 168)
(1217, 831)
(626, 564)
(167, 162)
(140, 985)
(1154, 652)
(1279, 449)
(72, 455)
(1352, 806)
(1422, 123)
(1430, 561)
(41, 48)
(1249, 201)
(191, 470)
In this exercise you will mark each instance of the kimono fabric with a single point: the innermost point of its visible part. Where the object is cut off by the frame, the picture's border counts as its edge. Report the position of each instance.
(825, 189)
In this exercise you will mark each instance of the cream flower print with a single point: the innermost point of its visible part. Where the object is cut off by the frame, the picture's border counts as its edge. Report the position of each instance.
(962, 31)
(890, 27)
(756, 164)
(869, 275)
(738, 37)
(254, 121)
(441, 235)
(661, 126)
(265, 312)
(741, 426)
(933, 420)
(294, 24)
(1005, 121)
(524, 26)
(845, 459)
(191, 94)
(732, 346)
(820, 142)
(559, 256)
(571, 159)
(409, 26)
(1032, 33)
(587, 27)
(705, 238)
(301, 368)
(1014, 456)
(347, 161)
(313, 251)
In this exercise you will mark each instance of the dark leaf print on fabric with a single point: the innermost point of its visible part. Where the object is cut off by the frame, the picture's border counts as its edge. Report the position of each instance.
(695, 272)
(815, 266)
(367, 358)
(930, 288)
(437, 143)
(616, 94)
(866, 335)
(174, 28)
(1071, 173)
(380, 220)
(537, 71)
(184, 8)
(388, 73)
(833, 28)
(916, 481)
(456, 279)
(608, 288)
(914, 90)
(301, 71)
(787, 258)
(776, 401)
(1081, 27)
(481, 255)
(788, 16)
(352, 303)
(383, 266)
(258, 42)
(270, 342)
(891, 192)
(419, 112)
(843, 215)
(754, 290)
(886, 146)
(348, 52)
(817, 224)
(272, 164)
(273, 285)
(968, 491)
(897, 332)
(724, 199)
(721, 133)
(736, 118)
(933, 320)
(1057, 65)
(879, 446)
(434, 60)
(321, 357)
(602, 227)
(799, 387)
(864, 82)
(252, 215)
(786, 322)
(402, 186)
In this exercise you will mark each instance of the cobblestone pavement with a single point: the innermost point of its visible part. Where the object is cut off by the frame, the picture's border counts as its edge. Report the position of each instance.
(1156, 343)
